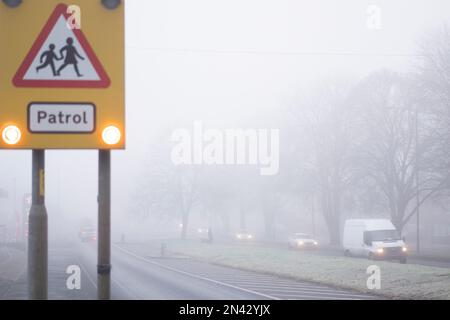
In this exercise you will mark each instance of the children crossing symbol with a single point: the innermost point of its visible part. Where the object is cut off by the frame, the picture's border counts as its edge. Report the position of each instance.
(49, 57)
(61, 57)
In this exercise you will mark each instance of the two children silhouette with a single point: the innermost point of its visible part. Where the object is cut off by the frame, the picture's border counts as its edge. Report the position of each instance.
(49, 57)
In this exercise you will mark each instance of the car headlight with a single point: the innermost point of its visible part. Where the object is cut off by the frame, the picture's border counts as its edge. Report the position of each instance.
(249, 236)
(316, 243)
(239, 236)
(300, 243)
(404, 249)
(380, 250)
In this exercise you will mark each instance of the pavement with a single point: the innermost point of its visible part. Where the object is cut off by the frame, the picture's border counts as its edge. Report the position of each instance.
(12, 271)
(139, 272)
(13, 264)
(13, 276)
(3, 253)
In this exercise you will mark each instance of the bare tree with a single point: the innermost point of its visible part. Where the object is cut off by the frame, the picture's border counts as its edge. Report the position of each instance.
(167, 190)
(185, 193)
(392, 149)
(215, 192)
(433, 83)
(324, 133)
(434, 69)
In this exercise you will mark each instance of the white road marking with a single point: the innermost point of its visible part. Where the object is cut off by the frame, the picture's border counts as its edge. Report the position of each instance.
(275, 282)
(196, 276)
(266, 280)
(313, 292)
(305, 297)
(87, 273)
(296, 288)
(278, 288)
(283, 285)
(244, 276)
(113, 279)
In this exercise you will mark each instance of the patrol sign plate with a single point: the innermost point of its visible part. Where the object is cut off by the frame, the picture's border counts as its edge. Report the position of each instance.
(62, 75)
(61, 118)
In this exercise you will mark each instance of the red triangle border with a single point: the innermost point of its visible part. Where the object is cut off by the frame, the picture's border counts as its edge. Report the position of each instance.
(19, 80)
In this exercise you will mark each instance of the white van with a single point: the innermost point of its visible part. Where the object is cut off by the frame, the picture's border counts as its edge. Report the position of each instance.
(373, 238)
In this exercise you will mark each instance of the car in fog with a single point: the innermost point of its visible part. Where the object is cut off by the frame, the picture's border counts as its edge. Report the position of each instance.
(202, 231)
(205, 234)
(88, 235)
(302, 241)
(374, 239)
(244, 236)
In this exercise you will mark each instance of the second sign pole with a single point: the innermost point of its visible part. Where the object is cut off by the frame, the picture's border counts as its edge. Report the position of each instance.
(104, 225)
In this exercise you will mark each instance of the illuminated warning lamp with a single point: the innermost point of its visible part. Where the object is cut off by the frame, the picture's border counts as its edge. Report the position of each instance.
(111, 135)
(12, 3)
(11, 135)
(111, 4)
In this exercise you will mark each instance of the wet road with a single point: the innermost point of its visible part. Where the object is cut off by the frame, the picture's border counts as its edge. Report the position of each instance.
(150, 277)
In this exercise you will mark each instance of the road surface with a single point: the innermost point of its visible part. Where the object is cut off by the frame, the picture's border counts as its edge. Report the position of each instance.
(136, 276)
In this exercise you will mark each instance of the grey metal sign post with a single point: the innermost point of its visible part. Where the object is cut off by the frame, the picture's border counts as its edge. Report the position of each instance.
(37, 234)
(104, 225)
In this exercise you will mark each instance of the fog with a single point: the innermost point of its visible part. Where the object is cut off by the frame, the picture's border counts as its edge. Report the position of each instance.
(228, 64)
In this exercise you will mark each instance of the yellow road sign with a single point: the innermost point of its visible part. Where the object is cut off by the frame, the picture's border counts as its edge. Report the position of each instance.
(62, 75)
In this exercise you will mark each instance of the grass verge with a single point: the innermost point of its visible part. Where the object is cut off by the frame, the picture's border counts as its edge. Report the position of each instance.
(398, 281)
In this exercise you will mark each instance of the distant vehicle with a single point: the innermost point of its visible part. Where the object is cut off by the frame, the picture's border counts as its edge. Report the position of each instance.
(244, 236)
(206, 235)
(374, 239)
(202, 231)
(302, 241)
(88, 234)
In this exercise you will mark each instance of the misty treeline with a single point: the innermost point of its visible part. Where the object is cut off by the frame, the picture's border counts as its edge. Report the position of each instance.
(378, 146)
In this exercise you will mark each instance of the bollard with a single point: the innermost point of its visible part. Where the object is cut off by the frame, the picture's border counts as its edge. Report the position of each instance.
(163, 250)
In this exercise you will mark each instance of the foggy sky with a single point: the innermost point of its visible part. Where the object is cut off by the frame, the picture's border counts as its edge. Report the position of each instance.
(224, 62)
